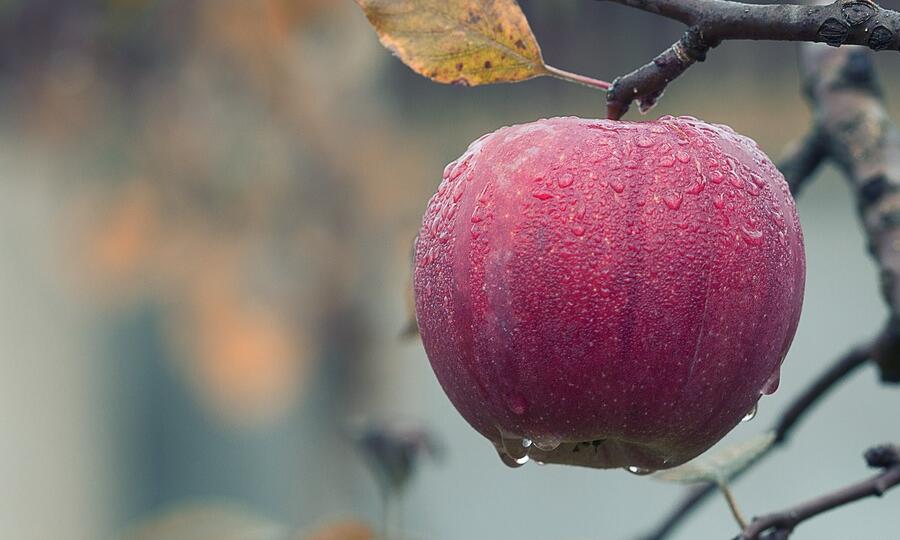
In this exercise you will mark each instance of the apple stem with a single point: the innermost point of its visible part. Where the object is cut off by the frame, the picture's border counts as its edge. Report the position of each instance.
(576, 78)
(732, 504)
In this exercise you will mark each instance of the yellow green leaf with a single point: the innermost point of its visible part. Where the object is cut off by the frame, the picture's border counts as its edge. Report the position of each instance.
(468, 42)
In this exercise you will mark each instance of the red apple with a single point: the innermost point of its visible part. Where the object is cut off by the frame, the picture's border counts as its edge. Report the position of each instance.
(619, 293)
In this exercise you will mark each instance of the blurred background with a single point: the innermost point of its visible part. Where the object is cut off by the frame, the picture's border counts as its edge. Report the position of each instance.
(206, 214)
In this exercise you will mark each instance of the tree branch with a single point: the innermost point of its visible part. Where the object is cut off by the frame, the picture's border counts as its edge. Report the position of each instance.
(781, 524)
(843, 22)
(859, 136)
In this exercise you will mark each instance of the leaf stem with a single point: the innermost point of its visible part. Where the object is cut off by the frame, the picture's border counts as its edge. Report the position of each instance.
(576, 78)
(732, 504)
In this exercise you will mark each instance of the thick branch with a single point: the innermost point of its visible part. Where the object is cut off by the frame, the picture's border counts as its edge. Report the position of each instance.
(843, 22)
(862, 140)
(783, 428)
(781, 524)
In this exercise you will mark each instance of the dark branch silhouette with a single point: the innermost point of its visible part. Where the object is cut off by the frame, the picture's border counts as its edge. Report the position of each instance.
(843, 22)
(779, 525)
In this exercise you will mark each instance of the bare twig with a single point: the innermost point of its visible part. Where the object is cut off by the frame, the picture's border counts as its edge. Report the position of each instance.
(843, 22)
(784, 427)
(781, 524)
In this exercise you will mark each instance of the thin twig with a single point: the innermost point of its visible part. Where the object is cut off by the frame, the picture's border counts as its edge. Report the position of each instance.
(781, 524)
(576, 78)
(784, 427)
(732, 504)
(842, 22)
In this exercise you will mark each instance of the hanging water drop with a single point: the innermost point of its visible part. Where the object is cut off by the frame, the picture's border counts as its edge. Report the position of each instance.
(772, 384)
(510, 461)
(512, 450)
(640, 471)
(751, 414)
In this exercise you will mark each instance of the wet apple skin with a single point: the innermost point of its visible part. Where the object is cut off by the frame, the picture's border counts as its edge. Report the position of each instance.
(632, 283)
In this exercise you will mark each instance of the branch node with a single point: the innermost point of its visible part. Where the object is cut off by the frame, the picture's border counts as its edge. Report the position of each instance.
(883, 456)
(880, 38)
(859, 11)
(834, 32)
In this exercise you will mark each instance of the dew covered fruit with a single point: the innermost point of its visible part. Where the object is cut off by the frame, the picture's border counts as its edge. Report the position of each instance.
(609, 294)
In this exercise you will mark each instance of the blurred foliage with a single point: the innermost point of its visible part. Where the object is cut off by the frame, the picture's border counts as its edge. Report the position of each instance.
(214, 170)
(207, 521)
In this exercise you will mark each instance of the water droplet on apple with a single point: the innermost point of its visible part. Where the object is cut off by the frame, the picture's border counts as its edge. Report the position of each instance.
(695, 188)
(517, 403)
(513, 450)
(448, 169)
(644, 142)
(565, 180)
(772, 384)
(458, 191)
(617, 186)
(547, 444)
(673, 200)
(542, 195)
(510, 461)
(753, 237)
